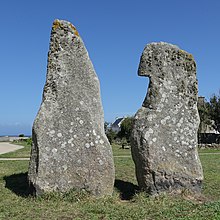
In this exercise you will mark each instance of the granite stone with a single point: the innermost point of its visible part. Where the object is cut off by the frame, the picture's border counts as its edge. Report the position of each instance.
(164, 138)
(70, 149)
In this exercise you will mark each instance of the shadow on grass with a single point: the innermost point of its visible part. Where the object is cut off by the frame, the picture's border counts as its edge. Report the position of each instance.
(127, 190)
(18, 183)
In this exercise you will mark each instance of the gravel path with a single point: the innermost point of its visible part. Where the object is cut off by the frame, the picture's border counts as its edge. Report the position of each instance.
(6, 147)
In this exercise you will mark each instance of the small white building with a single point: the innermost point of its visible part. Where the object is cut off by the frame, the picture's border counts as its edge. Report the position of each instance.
(116, 125)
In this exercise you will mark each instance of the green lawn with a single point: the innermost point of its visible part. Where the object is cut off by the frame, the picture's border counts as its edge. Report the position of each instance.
(126, 203)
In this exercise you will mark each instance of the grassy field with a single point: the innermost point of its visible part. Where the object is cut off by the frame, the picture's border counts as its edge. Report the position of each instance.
(126, 203)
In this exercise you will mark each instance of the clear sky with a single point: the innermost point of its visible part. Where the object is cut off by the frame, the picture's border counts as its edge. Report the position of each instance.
(115, 33)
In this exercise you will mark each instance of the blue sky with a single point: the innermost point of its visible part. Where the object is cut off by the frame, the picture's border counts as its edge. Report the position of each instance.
(115, 33)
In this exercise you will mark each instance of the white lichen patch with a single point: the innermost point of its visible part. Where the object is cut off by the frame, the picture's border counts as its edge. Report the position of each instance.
(150, 118)
(54, 150)
(70, 140)
(164, 121)
(156, 126)
(178, 125)
(64, 167)
(52, 132)
(164, 95)
(154, 139)
(87, 145)
(101, 142)
(151, 131)
(63, 145)
(81, 122)
(164, 149)
(184, 143)
(175, 111)
(72, 123)
(75, 136)
(59, 135)
(181, 120)
(101, 162)
(77, 109)
(174, 132)
(81, 102)
(92, 144)
(71, 130)
(147, 135)
(94, 132)
(87, 135)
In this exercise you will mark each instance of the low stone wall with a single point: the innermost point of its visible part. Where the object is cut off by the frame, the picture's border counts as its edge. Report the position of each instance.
(9, 139)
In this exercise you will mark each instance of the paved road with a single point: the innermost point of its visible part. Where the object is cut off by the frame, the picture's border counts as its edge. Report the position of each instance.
(6, 147)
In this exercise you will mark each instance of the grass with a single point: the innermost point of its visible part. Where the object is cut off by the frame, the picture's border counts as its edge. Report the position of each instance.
(118, 151)
(126, 203)
(209, 150)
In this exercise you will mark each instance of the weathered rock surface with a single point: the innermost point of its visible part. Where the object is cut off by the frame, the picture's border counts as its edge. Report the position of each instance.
(70, 149)
(164, 138)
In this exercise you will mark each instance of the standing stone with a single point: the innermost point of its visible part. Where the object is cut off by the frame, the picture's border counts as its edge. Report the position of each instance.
(70, 149)
(164, 138)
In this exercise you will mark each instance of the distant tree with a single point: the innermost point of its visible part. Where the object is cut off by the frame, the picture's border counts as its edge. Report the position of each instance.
(205, 118)
(21, 135)
(111, 135)
(214, 110)
(126, 128)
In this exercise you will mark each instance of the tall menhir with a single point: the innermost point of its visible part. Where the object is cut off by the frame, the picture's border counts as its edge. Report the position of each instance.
(70, 149)
(164, 139)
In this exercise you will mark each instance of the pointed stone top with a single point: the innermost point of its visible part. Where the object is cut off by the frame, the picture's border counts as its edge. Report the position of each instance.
(64, 25)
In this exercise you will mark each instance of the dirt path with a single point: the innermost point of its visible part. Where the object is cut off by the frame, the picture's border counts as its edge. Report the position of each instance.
(6, 147)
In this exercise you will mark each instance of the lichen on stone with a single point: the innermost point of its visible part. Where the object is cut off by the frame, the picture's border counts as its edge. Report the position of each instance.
(172, 100)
